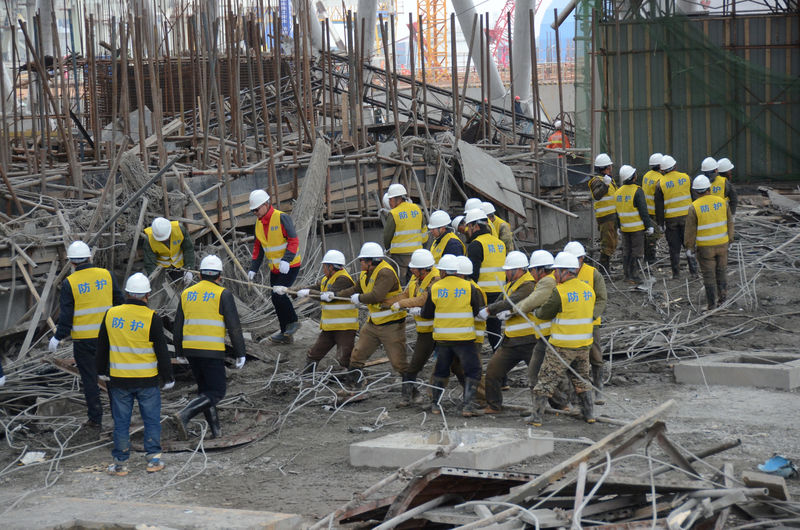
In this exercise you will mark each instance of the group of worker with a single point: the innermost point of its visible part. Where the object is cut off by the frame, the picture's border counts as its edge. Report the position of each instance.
(693, 214)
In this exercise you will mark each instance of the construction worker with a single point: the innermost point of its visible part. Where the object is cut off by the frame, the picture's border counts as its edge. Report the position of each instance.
(672, 199)
(487, 254)
(502, 229)
(443, 240)
(709, 226)
(453, 305)
(634, 222)
(86, 295)
(205, 311)
(377, 283)
(557, 139)
(404, 231)
(473, 203)
(339, 322)
(592, 276)
(459, 228)
(649, 181)
(570, 308)
(603, 191)
(464, 270)
(720, 185)
(169, 246)
(519, 337)
(276, 239)
(132, 352)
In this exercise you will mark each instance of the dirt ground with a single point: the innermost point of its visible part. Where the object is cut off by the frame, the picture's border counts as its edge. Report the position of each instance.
(301, 463)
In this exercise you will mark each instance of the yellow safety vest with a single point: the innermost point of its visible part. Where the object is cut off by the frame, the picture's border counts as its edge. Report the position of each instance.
(718, 186)
(677, 197)
(480, 325)
(337, 315)
(544, 325)
(516, 325)
(629, 218)
(203, 324)
(409, 233)
(170, 255)
(274, 243)
(376, 314)
(649, 182)
(492, 276)
(497, 223)
(93, 296)
(415, 288)
(586, 274)
(453, 319)
(572, 327)
(605, 205)
(712, 221)
(131, 352)
(437, 249)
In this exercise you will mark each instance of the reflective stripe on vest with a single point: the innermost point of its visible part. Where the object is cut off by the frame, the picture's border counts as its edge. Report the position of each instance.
(572, 327)
(492, 277)
(517, 325)
(168, 253)
(480, 324)
(675, 187)
(544, 325)
(337, 315)
(605, 205)
(274, 243)
(718, 187)
(437, 249)
(376, 314)
(712, 221)
(203, 324)
(93, 295)
(649, 182)
(453, 319)
(629, 218)
(409, 232)
(131, 353)
(424, 325)
(586, 274)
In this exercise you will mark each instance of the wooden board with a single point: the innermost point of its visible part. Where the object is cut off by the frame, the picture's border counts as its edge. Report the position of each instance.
(484, 174)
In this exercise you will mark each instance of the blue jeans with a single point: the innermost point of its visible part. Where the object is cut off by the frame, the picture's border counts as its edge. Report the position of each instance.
(149, 399)
(465, 351)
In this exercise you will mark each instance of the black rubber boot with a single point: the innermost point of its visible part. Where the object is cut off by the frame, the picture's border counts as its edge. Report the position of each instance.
(468, 408)
(597, 381)
(537, 409)
(406, 391)
(212, 417)
(722, 291)
(605, 265)
(587, 406)
(195, 407)
(711, 296)
(439, 384)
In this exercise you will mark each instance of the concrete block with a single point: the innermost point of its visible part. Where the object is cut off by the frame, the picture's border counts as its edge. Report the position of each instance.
(482, 448)
(777, 370)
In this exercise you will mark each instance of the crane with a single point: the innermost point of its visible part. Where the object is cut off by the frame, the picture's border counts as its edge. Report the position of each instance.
(498, 35)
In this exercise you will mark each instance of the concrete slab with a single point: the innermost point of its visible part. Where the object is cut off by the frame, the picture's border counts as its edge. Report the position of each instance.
(482, 448)
(776, 370)
(67, 512)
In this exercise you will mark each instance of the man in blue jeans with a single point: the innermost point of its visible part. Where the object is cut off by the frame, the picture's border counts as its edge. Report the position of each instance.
(132, 351)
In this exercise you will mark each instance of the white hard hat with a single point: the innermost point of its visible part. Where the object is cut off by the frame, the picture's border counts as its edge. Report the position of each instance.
(626, 172)
(370, 250)
(541, 258)
(162, 228)
(386, 201)
(476, 214)
(725, 165)
(575, 248)
(211, 263)
(421, 259)
(655, 159)
(667, 162)
(457, 221)
(701, 183)
(557, 124)
(137, 284)
(515, 260)
(396, 190)
(602, 160)
(565, 260)
(709, 164)
(438, 219)
(333, 257)
(448, 263)
(472, 204)
(257, 198)
(78, 250)
(488, 208)
(464, 266)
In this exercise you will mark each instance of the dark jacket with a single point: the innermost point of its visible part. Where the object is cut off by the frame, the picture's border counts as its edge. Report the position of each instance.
(475, 251)
(66, 303)
(227, 308)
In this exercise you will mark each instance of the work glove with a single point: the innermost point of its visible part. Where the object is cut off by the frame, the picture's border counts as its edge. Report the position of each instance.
(415, 311)
(53, 345)
(280, 290)
(354, 298)
(327, 296)
(619, 232)
(182, 360)
(2, 381)
(503, 315)
(483, 314)
(188, 277)
(690, 253)
(663, 228)
(606, 180)
(650, 231)
(302, 293)
(239, 362)
(283, 267)
(396, 307)
(103, 378)
(251, 275)
(168, 386)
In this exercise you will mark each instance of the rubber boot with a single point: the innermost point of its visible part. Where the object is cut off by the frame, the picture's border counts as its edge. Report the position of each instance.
(587, 406)
(711, 296)
(468, 408)
(405, 392)
(212, 417)
(195, 407)
(439, 384)
(605, 265)
(722, 291)
(559, 400)
(537, 409)
(597, 381)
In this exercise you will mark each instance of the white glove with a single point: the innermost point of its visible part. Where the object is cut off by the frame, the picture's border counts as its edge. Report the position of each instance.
(414, 311)
(619, 232)
(503, 315)
(239, 362)
(283, 267)
(182, 360)
(2, 381)
(103, 378)
(302, 293)
(354, 298)
(168, 386)
(606, 180)
(188, 277)
(53, 344)
(396, 307)
(650, 231)
(280, 290)
(327, 296)
(689, 253)
(251, 275)
(483, 314)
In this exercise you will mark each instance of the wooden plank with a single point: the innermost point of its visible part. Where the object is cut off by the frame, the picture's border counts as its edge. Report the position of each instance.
(40, 307)
(33, 290)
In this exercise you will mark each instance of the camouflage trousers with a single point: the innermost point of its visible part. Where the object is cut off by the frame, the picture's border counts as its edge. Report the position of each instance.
(553, 370)
(608, 236)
